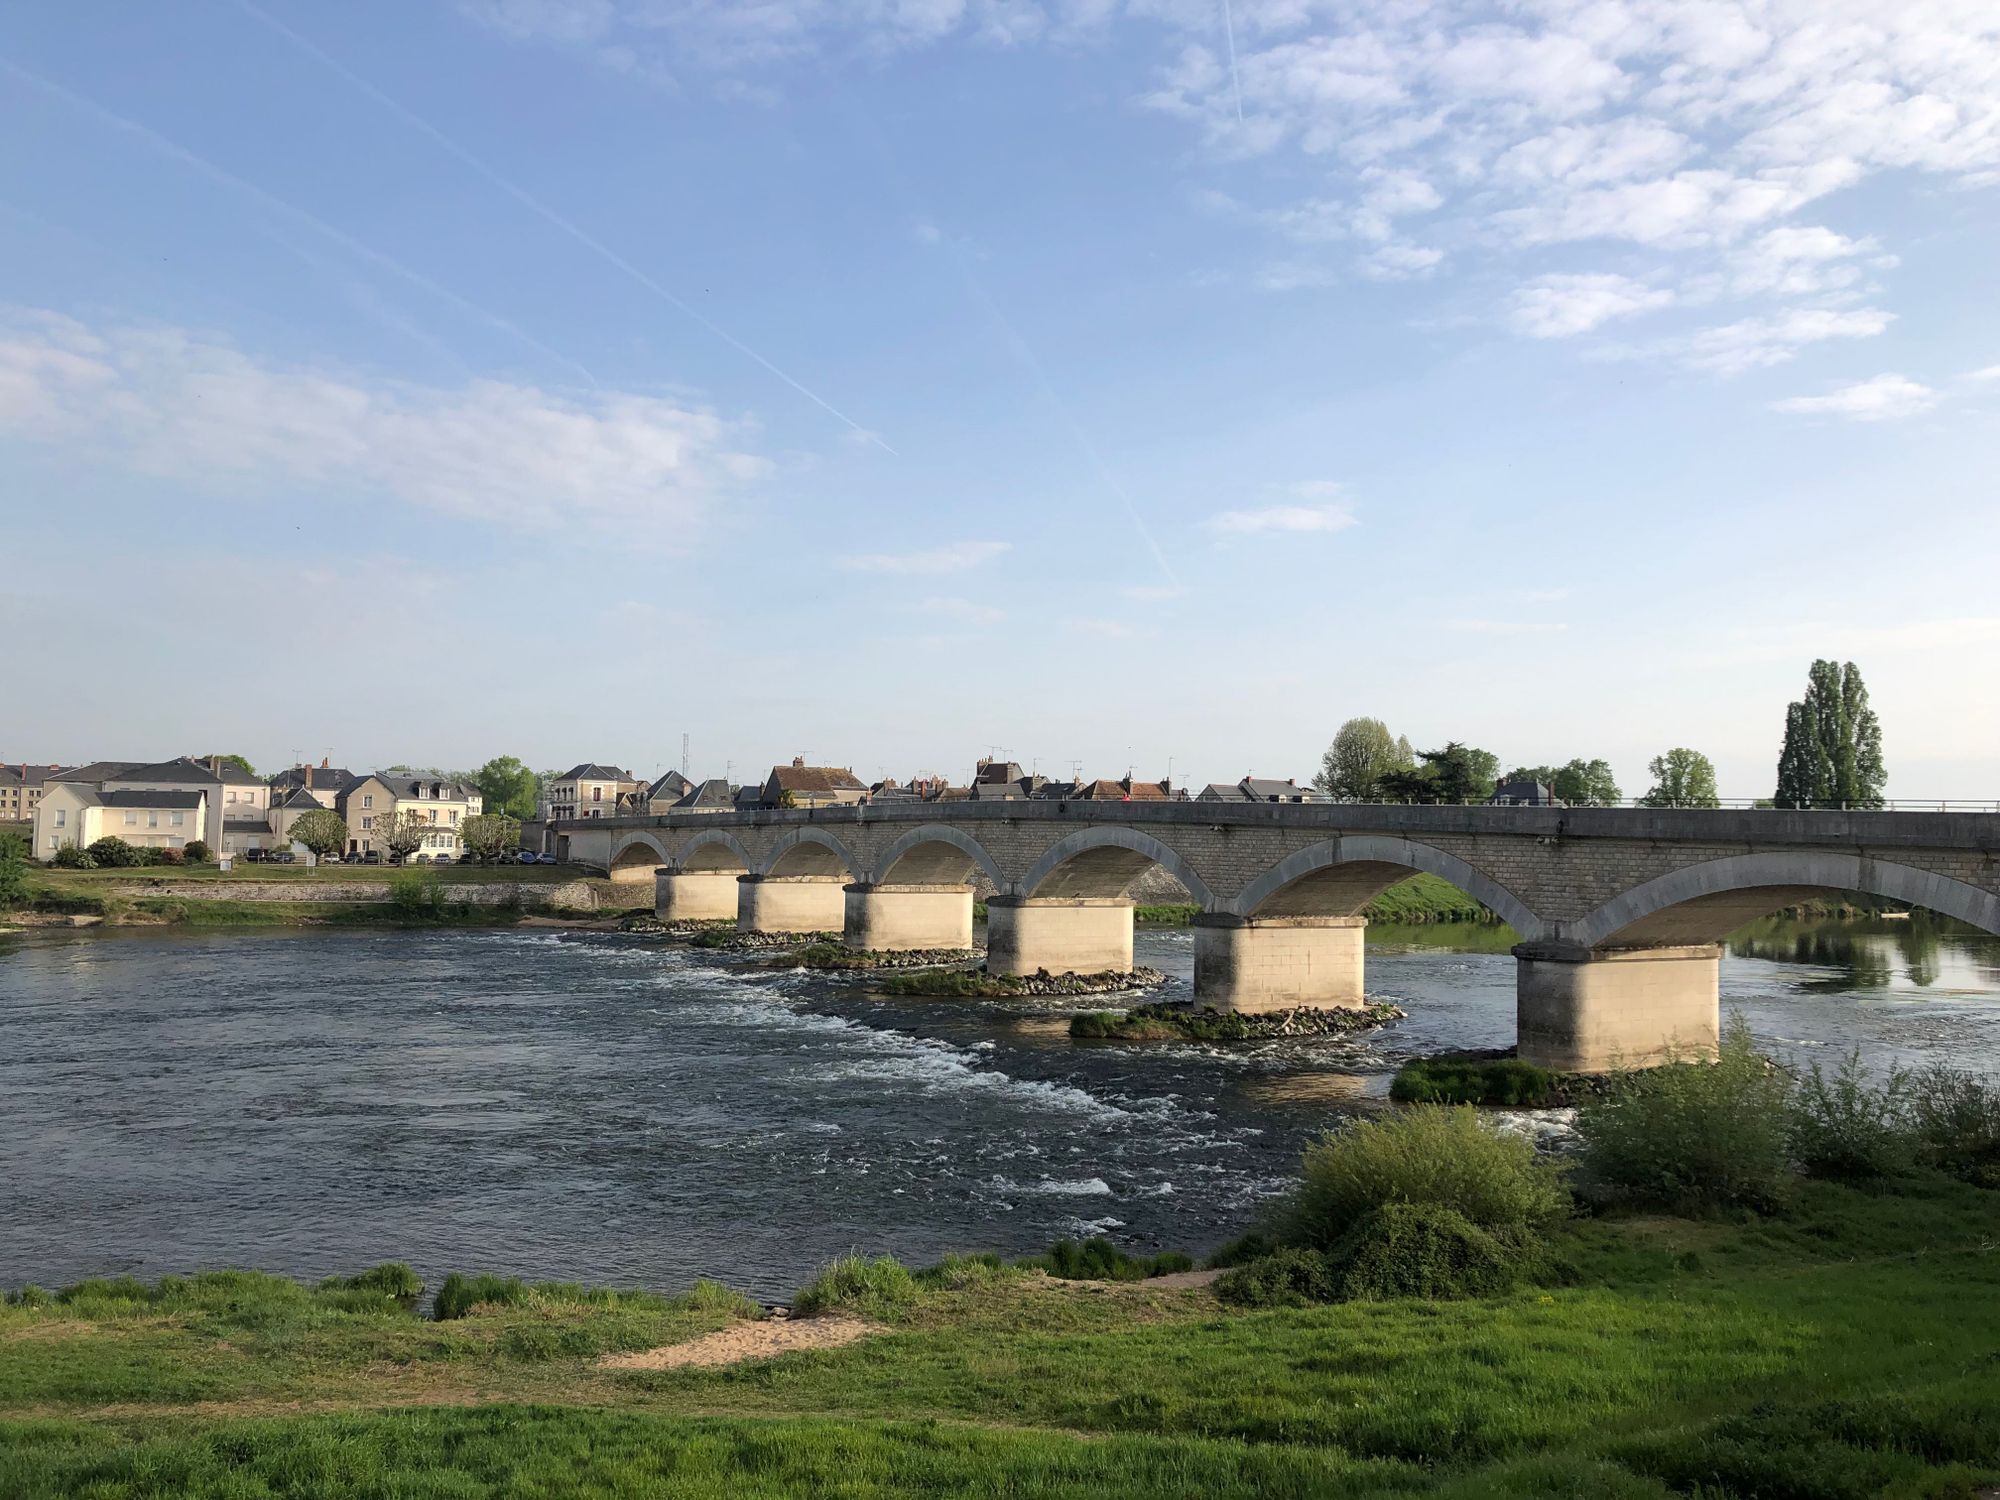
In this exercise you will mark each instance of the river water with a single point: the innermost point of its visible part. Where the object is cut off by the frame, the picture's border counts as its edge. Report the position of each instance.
(611, 1110)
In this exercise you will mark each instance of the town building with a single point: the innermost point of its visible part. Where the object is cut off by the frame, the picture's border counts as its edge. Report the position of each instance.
(1259, 789)
(664, 795)
(589, 790)
(801, 785)
(76, 812)
(441, 805)
(228, 794)
(711, 796)
(1005, 781)
(321, 782)
(1523, 794)
(20, 789)
(1123, 790)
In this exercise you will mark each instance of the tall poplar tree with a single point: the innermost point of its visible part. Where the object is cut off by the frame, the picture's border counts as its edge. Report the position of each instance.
(1832, 755)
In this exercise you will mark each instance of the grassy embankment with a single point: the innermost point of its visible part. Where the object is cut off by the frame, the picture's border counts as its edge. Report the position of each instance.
(1842, 1349)
(417, 895)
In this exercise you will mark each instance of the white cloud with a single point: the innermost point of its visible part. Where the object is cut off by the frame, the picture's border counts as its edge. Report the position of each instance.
(1560, 307)
(1753, 343)
(1886, 398)
(1799, 260)
(954, 557)
(1283, 518)
(192, 407)
(1991, 372)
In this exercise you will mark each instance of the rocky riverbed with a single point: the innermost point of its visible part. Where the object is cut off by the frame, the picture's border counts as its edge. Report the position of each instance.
(1187, 1022)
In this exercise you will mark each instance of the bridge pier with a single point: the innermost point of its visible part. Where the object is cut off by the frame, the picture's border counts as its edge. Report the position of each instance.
(1583, 1010)
(790, 903)
(901, 918)
(1063, 935)
(1277, 963)
(695, 895)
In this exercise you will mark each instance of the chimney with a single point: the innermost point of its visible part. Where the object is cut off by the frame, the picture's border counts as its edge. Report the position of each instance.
(322, 762)
(799, 762)
(309, 777)
(215, 765)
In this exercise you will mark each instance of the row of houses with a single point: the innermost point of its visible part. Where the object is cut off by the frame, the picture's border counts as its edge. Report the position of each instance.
(173, 803)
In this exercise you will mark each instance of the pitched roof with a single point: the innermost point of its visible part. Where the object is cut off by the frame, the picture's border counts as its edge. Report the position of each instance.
(1219, 791)
(815, 779)
(672, 784)
(15, 773)
(97, 770)
(324, 778)
(183, 769)
(590, 770)
(140, 798)
(714, 792)
(303, 800)
(1116, 791)
(997, 773)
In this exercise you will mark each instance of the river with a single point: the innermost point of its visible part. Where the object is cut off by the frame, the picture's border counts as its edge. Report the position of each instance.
(606, 1109)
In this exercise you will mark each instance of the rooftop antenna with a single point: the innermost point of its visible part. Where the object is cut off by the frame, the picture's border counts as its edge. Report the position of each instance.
(684, 755)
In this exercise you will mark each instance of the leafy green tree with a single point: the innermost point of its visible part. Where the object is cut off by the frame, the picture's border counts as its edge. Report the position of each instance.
(507, 786)
(1682, 778)
(234, 760)
(13, 870)
(112, 853)
(488, 834)
(197, 852)
(1458, 774)
(1832, 753)
(1580, 783)
(322, 830)
(1361, 754)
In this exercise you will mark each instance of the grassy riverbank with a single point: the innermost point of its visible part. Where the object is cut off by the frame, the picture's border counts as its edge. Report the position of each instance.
(1842, 1349)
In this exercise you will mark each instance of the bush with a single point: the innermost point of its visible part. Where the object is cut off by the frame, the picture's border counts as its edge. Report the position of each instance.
(880, 1288)
(1694, 1136)
(1424, 1250)
(1097, 1259)
(13, 870)
(197, 852)
(1954, 1119)
(1473, 1080)
(1284, 1278)
(965, 1273)
(1842, 1128)
(390, 1279)
(460, 1294)
(1428, 1153)
(69, 857)
(1242, 1250)
(112, 853)
(171, 856)
(417, 893)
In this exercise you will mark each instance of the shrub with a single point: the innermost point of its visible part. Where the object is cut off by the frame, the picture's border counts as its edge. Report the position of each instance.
(707, 1296)
(1424, 1250)
(197, 852)
(1242, 1250)
(1954, 1118)
(13, 870)
(1473, 1080)
(1694, 1136)
(1843, 1128)
(1284, 1278)
(390, 1279)
(112, 853)
(879, 1288)
(1428, 1153)
(69, 857)
(460, 1294)
(417, 893)
(965, 1273)
(171, 856)
(1097, 1259)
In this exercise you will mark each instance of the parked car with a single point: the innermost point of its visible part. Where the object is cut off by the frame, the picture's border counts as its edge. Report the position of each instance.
(372, 857)
(253, 856)
(444, 859)
(281, 857)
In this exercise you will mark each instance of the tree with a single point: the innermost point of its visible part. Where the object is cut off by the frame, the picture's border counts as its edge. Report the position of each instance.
(507, 786)
(1458, 773)
(1682, 778)
(322, 830)
(112, 853)
(1361, 754)
(1580, 783)
(197, 852)
(234, 760)
(1832, 754)
(13, 870)
(488, 834)
(401, 833)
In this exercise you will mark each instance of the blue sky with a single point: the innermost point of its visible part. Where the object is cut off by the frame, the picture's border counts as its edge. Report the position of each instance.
(1094, 381)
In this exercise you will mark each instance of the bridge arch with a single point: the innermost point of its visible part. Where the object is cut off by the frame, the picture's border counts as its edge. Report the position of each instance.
(1103, 862)
(1705, 902)
(637, 851)
(1338, 877)
(715, 850)
(935, 854)
(811, 851)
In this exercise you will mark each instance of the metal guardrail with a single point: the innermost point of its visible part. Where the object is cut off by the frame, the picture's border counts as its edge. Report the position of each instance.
(1761, 804)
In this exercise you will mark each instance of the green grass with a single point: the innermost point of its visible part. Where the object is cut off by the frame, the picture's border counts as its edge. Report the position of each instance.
(1419, 899)
(1842, 1348)
(1474, 1078)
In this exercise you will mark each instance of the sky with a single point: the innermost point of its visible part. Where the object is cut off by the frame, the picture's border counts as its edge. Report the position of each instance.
(1095, 383)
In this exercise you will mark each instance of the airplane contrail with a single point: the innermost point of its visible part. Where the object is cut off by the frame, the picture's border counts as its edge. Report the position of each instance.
(270, 200)
(1235, 80)
(535, 205)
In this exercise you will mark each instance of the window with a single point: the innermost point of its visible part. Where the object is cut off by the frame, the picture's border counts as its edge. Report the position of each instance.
(367, 799)
(434, 814)
(176, 820)
(131, 820)
(152, 820)
(62, 816)
(597, 794)
(231, 797)
(367, 823)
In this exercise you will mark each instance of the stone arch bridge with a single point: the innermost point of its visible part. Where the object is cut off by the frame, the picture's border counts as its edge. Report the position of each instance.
(1620, 910)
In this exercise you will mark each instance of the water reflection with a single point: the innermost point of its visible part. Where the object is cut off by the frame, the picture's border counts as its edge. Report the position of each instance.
(1873, 953)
